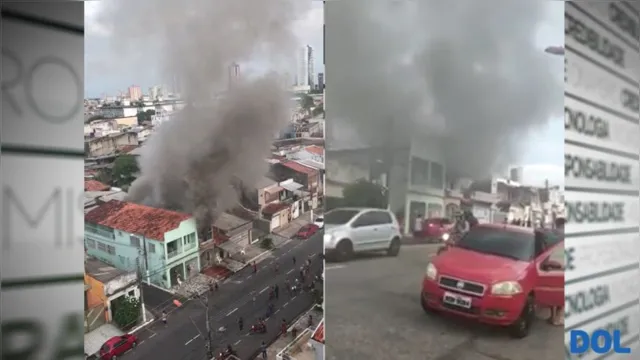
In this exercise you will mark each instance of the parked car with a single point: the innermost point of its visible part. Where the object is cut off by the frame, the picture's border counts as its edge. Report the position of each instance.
(306, 231)
(117, 346)
(319, 221)
(353, 230)
(497, 274)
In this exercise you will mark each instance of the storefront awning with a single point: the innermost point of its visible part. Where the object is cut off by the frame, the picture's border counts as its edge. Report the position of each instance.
(292, 186)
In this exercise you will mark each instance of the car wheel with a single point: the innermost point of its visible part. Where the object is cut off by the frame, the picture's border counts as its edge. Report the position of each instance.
(344, 250)
(520, 328)
(394, 247)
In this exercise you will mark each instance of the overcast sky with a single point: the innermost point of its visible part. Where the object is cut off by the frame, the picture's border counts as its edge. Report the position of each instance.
(544, 157)
(101, 78)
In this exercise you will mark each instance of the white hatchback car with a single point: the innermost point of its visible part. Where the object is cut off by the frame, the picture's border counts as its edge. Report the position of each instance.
(319, 221)
(352, 230)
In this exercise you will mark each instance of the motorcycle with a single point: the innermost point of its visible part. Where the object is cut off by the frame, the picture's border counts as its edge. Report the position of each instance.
(448, 240)
(258, 329)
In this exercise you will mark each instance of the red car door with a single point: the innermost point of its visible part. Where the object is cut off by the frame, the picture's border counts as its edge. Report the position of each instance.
(549, 287)
(122, 346)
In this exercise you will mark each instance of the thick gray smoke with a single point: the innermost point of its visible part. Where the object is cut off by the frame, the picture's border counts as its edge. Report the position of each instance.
(468, 75)
(221, 138)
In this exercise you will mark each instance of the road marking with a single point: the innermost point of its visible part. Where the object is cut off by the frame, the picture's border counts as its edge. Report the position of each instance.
(154, 334)
(237, 342)
(232, 311)
(333, 267)
(290, 271)
(263, 290)
(142, 342)
(277, 311)
(193, 338)
(285, 304)
(294, 297)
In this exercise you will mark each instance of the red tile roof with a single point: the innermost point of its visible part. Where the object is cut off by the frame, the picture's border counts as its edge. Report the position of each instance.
(274, 208)
(318, 335)
(315, 149)
(136, 219)
(95, 185)
(125, 149)
(297, 167)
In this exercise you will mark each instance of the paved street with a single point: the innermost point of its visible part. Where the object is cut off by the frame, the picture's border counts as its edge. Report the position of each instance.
(181, 339)
(374, 313)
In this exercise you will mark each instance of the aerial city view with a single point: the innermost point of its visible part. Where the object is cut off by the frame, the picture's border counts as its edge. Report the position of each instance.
(204, 180)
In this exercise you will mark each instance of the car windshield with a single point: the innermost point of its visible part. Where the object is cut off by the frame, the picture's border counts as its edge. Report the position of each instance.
(508, 244)
(339, 217)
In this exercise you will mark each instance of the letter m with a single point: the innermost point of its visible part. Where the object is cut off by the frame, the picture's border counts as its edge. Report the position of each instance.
(11, 202)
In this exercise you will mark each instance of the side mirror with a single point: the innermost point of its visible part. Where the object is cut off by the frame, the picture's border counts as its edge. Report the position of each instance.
(551, 265)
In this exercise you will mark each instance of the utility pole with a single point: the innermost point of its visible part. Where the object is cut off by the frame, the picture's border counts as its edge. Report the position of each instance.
(142, 307)
(205, 301)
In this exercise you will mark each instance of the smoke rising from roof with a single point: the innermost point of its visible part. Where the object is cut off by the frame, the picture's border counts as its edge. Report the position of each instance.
(194, 162)
(467, 75)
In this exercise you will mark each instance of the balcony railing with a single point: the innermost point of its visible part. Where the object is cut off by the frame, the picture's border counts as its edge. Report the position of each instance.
(189, 246)
(173, 253)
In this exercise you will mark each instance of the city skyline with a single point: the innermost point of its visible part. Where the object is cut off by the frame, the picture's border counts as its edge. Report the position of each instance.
(105, 75)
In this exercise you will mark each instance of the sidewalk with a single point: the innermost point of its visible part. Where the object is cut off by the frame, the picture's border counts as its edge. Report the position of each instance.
(289, 230)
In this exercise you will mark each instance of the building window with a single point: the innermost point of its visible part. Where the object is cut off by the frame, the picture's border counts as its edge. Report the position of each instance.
(111, 250)
(122, 259)
(152, 248)
(419, 171)
(132, 293)
(102, 247)
(91, 244)
(437, 176)
(135, 241)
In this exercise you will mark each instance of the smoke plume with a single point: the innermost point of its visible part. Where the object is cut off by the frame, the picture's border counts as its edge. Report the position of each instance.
(220, 139)
(467, 75)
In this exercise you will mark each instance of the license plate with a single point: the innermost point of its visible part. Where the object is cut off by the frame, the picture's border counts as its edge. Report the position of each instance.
(457, 300)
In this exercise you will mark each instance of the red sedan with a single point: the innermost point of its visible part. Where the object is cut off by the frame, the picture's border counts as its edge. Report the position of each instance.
(117, 346)
(307, 231)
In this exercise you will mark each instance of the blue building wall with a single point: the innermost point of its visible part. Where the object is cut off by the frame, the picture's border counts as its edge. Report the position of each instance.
(177, 255)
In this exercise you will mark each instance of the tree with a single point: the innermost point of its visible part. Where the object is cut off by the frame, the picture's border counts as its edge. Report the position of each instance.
(306, 102)
(318, 110)
(127, 312)
(364, 193)
(125, 169)
(95, 117)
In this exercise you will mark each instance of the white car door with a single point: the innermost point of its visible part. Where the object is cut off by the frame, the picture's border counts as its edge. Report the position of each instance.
(363, 231)
(383, 230)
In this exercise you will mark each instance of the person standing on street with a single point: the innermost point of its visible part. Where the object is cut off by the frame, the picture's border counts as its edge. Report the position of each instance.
(263, 350)
(255, 267)
(164, 317)
(276, 289)
(283, 327)
(240, 323)
(294, 260)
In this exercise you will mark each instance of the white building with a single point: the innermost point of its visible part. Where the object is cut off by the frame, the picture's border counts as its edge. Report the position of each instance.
(304, 79)
(416, 184)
